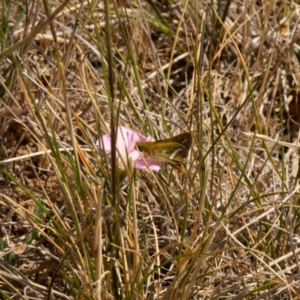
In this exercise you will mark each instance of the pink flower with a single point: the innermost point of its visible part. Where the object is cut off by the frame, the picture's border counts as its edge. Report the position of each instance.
(125, 143)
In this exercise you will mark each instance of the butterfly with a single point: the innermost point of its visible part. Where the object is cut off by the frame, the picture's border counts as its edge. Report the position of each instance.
(171, 151)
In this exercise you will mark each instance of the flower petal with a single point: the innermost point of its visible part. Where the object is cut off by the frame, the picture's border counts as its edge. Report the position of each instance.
(147, 164)
(104, 143)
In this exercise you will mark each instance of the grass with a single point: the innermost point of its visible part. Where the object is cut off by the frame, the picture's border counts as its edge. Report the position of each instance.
(73, 226)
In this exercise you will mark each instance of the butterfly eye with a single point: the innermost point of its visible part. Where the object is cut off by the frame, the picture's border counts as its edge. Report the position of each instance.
(139, 147)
